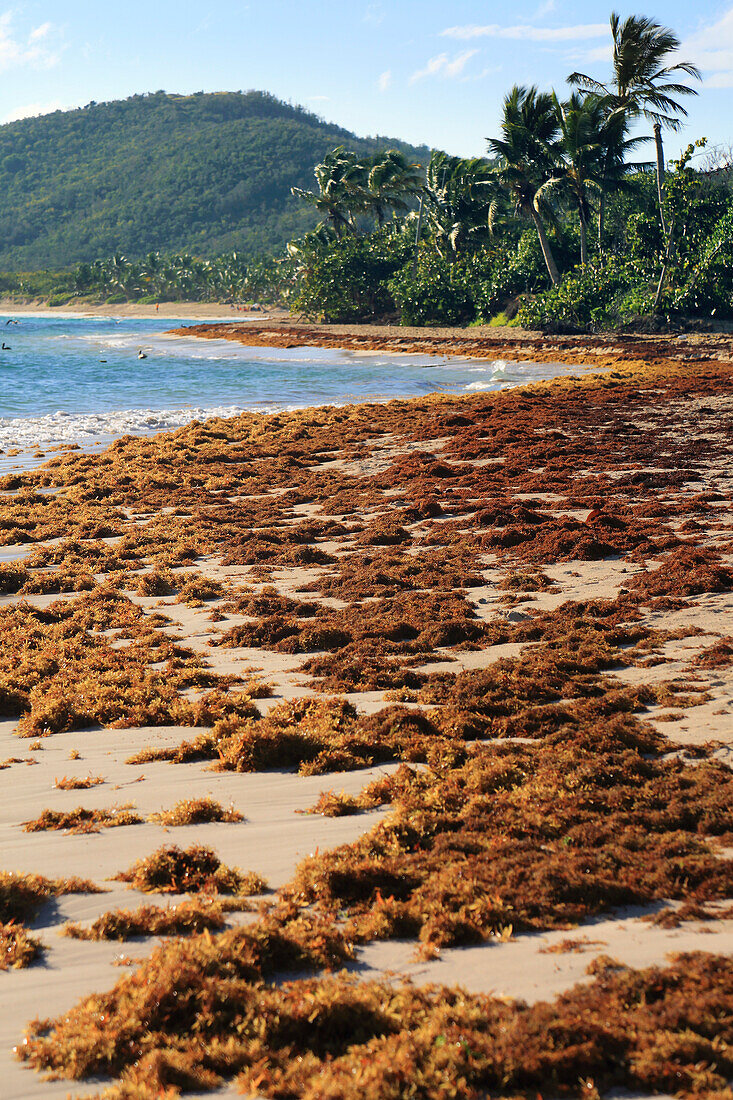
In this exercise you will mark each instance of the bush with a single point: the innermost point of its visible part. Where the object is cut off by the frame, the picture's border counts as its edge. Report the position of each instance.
(601, 294)
(347, 280)
(439, 292)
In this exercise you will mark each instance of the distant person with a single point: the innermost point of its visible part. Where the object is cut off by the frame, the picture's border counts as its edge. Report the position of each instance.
(157, 306)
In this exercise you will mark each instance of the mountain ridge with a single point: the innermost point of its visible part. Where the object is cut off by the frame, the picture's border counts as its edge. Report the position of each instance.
(204, 173)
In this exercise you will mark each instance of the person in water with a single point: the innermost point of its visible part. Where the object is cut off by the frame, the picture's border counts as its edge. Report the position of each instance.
(141, 354)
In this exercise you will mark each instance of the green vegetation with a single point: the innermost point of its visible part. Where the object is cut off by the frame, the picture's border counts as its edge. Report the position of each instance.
(205, 173)
(558, 228)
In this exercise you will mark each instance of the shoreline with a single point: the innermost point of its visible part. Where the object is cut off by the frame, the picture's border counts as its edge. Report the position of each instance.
(134, 310)
(481, 342)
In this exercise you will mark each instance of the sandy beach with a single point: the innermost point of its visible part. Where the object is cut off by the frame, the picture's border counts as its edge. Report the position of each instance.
(209, 311)
(463, 665)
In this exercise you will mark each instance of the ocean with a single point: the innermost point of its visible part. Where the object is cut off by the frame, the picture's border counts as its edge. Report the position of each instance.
(66, 379)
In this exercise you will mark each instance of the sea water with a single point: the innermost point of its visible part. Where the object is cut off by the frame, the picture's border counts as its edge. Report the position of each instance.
(66, 379)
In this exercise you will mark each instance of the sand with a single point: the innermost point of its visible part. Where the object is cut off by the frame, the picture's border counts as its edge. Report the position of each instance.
(212, 311)
(276, 834)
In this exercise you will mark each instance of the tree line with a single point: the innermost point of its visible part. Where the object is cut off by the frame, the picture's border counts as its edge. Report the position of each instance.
(562, 223)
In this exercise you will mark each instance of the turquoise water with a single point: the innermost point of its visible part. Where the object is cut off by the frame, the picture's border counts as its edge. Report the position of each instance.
(79, 379)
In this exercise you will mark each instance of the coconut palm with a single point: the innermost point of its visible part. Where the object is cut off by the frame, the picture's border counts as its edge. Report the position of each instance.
(461, 195)
(341, 180)
(642, 84)
(392, 181)
(592, 157)
(616, 168)
(528, 153)
(578, 167)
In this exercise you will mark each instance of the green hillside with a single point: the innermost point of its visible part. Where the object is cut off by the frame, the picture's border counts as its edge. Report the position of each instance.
(206, 173)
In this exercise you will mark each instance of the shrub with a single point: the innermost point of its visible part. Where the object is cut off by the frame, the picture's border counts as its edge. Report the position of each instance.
(602, 293)
(346, 280)
(437, 294)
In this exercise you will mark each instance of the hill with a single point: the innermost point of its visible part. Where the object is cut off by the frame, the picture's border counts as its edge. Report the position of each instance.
(205, 173)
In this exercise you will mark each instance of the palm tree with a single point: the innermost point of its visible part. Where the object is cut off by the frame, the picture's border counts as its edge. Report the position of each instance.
(579, 165)
(528, 154)
(616, 145)
(461, 196)
(341, 180)
(390, 184)
(642, 83)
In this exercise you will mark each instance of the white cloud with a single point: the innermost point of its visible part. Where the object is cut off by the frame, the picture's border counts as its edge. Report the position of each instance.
(33, 52)
(42, 31)
(711, 48)
(32, 110)
(384, 81)
(444, 67)
(720, 80)
(527, 33)
(543, 9)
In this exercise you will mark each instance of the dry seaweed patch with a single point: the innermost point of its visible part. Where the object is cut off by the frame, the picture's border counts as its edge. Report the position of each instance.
(685, 572)
(82, 820)
(196, 869)
(59, 671)
(555, 681)
(17, 948)
(331, 804)
(194, 811)
(21, 897)
(313, 735)
(168, 994)
(486, 839)
(530, 837)
(655, 1030)
(191, 916)
(718, 655)
(77, 782)
(570, 946)
(674, 916)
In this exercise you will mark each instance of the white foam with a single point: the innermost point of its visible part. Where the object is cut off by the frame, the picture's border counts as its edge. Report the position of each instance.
(495, 385)
(64, 427)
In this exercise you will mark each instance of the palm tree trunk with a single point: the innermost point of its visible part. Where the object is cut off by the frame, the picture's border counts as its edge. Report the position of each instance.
(601, 220)
(660, 174)
(665, 267)
(583, 241)
(545, 246)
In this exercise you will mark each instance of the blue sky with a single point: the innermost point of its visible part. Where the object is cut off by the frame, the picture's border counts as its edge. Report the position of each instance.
(422, 70)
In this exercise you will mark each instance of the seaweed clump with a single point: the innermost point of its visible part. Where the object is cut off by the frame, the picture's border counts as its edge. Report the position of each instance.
(21, 896)
(17, 947)
(173, 870)
(186, 919)
(82, 820)
(195, 811)
(662, 1029)
(529, 837)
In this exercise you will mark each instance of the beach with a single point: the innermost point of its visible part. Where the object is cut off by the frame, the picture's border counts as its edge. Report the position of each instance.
(464, 666)
(173, 310)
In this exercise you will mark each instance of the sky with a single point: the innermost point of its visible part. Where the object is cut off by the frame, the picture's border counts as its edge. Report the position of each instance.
(426, 71)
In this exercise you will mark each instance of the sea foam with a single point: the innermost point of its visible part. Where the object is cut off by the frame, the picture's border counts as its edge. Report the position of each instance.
(62, 427)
